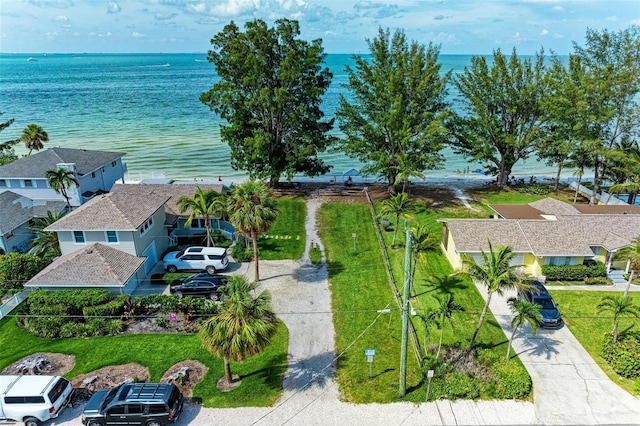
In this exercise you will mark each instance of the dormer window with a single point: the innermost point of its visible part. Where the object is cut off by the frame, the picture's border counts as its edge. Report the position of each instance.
(3, 183)
(28, 183)
(78, 237)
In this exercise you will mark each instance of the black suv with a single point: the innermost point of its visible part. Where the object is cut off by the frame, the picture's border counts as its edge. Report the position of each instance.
(200, 285)
(550, 316)
(145, 404)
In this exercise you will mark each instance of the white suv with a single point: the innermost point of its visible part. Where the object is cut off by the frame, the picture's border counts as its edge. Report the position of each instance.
(33, 399)
(210, 259)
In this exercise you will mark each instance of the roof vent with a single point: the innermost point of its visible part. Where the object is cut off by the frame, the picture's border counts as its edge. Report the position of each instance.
(89, 251)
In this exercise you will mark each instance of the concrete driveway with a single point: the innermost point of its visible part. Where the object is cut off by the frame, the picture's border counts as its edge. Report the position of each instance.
(569, 387)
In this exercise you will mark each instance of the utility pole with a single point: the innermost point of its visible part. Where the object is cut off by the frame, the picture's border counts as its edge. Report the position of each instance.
(405, 310)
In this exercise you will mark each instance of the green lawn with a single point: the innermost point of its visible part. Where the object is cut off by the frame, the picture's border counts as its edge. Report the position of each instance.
(580, 315)
(261, 375)
(286, 238)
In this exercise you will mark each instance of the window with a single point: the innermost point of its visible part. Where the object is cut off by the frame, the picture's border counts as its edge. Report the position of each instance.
(28, 183)
(135, 409)
(157, 409)
(145, 226)
(58, 389)
(112, 237)
(3, 183)
(117, 410)
(78, 237)
(93, 174)
(113, 164)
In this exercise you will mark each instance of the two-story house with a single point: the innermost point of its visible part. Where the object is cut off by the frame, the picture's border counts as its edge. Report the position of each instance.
(25, 178)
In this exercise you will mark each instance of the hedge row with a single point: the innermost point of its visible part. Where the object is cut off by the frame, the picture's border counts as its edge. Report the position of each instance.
(574, 272)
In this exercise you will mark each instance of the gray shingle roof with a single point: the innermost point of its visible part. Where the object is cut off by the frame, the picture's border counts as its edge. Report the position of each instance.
(16, 210)
(113, 211)
(569, 235)
(95, 265)
(35, 165)
(551, 205)
(173, 191)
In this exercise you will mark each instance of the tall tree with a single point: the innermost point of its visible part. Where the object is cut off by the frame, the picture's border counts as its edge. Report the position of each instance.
(7, 154)
(631, 254)
(253, 210)
(204, 204)
(503, 111)
(423, 242)
(619, 307)
(496, 273)
(34, 137)
(612, 83)
(243, 327)
(270, 92)
(60, 180)
(524, 312)
(397, 205)
(443, 313)
(45, 244)
(398, 108)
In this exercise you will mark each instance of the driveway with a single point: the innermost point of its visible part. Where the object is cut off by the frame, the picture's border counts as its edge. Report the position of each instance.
(569, 387)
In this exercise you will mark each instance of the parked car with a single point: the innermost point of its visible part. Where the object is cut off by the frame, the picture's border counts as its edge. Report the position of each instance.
(33, 399)
(210, 259)
(144, 404)
(212, 286)
(550, 315)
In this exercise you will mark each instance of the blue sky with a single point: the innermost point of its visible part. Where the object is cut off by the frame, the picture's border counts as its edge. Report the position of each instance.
(459, 26)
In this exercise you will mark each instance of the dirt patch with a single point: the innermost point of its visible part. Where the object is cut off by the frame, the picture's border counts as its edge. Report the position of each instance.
(110, 376)
(45, 363)
(194, 373)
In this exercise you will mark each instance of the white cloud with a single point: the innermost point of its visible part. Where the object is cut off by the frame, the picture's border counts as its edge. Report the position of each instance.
(235, 8)
(558, 9)
(197, 8)
(137, 34)
(100, 35)
(61, 18)
(544, 32)
(113, 7)
(51, 35)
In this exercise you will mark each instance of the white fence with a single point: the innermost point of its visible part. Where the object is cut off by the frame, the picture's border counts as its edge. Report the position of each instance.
(12, 302)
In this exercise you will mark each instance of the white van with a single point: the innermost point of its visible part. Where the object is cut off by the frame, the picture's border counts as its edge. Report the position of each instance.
(210, 259)
(33, 399)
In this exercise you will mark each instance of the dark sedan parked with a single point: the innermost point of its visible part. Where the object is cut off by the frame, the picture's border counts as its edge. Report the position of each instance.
(550, 315)
(205, 285)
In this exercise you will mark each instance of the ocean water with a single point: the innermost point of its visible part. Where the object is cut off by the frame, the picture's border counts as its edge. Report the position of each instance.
(148, 106)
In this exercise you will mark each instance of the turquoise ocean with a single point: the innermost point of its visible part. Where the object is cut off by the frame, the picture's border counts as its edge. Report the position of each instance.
(148, 106)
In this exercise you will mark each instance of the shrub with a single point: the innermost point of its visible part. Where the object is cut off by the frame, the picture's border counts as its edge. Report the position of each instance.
(574, 272)
(162, 322)
(624, 355)
(113, 308)
(597, 281)
(240, 254)
(44, 326)
(534, 188)
(384, 222)
(511, 380)
(461, 386)
(18, 268)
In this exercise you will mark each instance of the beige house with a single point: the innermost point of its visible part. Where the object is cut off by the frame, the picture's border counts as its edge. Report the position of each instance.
(545, 232)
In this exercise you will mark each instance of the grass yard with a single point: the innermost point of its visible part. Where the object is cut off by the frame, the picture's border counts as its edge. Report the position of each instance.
(580, 315)
(286, 238)
(261, 375)
(359, 288)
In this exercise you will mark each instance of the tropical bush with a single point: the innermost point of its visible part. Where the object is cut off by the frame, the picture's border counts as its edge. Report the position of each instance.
(574, 272)
(18, 268)
(240, 253)
(624, 354)
(534, 188)
(597, 281)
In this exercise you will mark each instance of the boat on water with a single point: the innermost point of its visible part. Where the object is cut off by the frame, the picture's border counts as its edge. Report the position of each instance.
(31, 59)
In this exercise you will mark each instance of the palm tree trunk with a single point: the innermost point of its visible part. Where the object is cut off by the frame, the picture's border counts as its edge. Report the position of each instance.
(615, 330)
(482, 316)
(511, 341)
(255, 256)
(626, 290)
(557, 185)
(207, 226)
(441, 335)
(227, 370)
(395, 231)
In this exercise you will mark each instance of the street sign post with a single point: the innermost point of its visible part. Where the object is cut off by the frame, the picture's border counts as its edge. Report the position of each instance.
(369, 353)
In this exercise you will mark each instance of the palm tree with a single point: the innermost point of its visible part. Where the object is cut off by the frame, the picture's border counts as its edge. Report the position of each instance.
(205, 204)
(496, 273)
(423, 242)
(243, 327)
(45, 244)
(445, 310)
(34, 137)
(619, 307)
(632, 255)
(253, 210)
(406, 168)
(397, 205)
(60, 180)
(525, 312)
(7, 154)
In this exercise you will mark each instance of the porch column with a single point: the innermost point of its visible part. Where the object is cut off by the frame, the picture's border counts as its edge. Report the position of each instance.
(626, 269)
